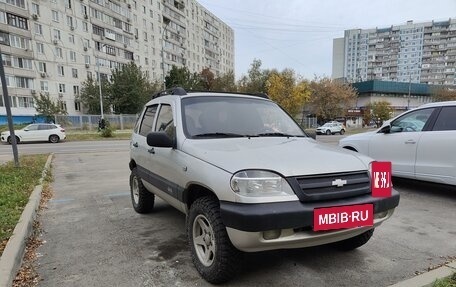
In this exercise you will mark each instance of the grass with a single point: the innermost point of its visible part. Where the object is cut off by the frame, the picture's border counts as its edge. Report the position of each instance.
(94, 136)
(16, 185)
(449, 281)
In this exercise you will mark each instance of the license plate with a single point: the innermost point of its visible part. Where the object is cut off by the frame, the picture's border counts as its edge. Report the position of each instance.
(341, 217)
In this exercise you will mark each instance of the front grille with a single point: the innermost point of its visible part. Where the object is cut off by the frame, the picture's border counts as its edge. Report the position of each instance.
(325, 186)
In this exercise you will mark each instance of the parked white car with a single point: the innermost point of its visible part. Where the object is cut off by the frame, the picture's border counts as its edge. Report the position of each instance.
(420, 143)
(36, 132)
(331, 128)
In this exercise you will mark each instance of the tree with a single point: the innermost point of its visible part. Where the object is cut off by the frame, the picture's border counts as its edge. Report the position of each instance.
(380, 111)
(442, 94)
(182, 77)
(207, 79)
(225, 83)
(48, 108)
(129, 89)
(255, 81)
(331, 99)
(284, 89)
(90, 96)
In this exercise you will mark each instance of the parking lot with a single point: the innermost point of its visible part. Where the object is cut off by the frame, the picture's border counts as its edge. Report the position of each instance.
(93, 237)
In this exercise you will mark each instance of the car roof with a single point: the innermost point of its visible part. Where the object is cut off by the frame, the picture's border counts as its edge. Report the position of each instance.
(438, 104)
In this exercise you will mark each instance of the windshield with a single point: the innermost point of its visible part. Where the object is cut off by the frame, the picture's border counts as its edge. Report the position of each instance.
(211, 117)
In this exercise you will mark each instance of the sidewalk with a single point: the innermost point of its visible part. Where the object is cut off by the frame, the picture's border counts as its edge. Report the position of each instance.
(428, 278)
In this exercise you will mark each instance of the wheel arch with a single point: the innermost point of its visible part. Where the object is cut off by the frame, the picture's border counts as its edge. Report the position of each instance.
(349, 147)
(195, 191)
(132, 164)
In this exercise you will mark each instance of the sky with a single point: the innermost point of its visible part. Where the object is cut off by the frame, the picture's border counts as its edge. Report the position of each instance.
(298, 34)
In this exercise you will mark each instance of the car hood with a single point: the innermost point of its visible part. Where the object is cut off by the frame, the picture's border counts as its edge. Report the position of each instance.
(287, 156)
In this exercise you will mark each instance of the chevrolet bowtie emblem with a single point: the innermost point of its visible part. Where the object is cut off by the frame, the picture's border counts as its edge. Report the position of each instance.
(339, 182)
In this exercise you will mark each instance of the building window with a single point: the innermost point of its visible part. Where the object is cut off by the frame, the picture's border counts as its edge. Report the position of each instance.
(42, 67)
(57, 34)
(61, 88)
(77, 105)
(87, 59)
(58, 52)
(76, 91)
(44, 86)
(74, 72)
(73, 56)
(25, 102)
(85, 27)
(38, 29)
(40, 48)
(60, 70)
(71, 38)
(55, 16)
(36, 9)
(17, 21)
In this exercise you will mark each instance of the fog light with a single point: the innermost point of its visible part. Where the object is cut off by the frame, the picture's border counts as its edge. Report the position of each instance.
(271, 234)
(380, 214)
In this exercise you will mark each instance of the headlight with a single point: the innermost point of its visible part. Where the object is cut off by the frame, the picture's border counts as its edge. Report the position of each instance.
(369, 170)
(256, 183)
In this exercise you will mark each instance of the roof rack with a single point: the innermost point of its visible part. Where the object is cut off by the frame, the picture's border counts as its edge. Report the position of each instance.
(173, 91)
(261, 95)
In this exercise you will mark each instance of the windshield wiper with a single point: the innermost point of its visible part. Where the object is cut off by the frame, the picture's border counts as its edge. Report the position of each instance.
(277, 135)
(222, 135)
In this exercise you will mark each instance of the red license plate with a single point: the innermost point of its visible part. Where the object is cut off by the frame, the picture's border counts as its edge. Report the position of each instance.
(343, 217)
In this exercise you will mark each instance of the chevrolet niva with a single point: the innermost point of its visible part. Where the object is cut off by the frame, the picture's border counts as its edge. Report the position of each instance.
(248, 178)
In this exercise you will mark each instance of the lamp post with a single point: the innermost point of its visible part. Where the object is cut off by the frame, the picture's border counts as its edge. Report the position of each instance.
(409, 89)
(99, 85)
(166, 21)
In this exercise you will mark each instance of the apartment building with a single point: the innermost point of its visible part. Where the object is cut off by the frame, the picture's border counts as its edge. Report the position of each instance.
(413, 53)
(53, 46)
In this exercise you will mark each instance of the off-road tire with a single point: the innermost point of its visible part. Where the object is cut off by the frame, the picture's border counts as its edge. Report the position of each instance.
(342, 132)
(144, 202)
(54, 139)
(328, 132)
(226, 258)
(354, 242)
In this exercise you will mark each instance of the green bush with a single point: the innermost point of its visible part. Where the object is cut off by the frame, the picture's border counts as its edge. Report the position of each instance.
(106, 132)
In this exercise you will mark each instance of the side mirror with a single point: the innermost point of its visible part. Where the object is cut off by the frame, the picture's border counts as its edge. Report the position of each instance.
(312, 134)
(159, 139)
(385, 130)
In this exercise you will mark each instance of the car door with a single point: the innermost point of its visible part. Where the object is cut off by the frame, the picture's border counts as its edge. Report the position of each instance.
(139, 148)
(30, 133)
(400, 144)
(436, 159)
(162, 163)
(44, 131)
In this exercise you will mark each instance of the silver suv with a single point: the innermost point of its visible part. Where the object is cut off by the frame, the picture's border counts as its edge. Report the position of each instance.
(248, 178)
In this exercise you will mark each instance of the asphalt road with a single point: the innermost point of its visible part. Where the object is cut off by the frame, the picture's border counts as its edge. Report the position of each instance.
(93, 237)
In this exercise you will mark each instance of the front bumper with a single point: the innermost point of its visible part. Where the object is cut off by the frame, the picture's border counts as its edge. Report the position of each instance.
(246, 223)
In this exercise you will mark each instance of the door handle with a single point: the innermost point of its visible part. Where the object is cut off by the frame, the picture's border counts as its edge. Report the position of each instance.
(410, 142)
(151, 150)
(135, 144)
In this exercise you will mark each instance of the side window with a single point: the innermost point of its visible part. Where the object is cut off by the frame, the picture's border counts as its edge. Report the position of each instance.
(45, 127)
(32, 127)
(446, 120)
(148, 120)
(165, 121)
(412, 122)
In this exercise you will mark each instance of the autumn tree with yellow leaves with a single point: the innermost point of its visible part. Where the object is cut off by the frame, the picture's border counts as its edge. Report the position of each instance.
(285, 89)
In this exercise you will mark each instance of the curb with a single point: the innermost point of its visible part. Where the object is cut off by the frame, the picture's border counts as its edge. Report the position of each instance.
(13, 254)
(428, 278)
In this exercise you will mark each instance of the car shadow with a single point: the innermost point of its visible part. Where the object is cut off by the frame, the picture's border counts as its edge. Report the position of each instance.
(423, 187)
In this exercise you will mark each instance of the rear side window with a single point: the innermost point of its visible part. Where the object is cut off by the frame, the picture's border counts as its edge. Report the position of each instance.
(446, 120)
(148, 120)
